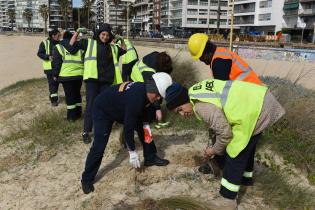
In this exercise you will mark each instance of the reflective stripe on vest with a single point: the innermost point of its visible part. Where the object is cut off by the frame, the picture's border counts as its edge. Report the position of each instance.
(72, 65)
(131, 54)
(47, 64)
(138, 69)
(90, 62)
(240, 70)
(241, 103)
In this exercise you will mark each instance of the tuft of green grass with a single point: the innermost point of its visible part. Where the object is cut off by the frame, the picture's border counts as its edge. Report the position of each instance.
(50, 129)
(184, 73)
(293, 137)
(21, 85)
(277, 192)
(47, 133)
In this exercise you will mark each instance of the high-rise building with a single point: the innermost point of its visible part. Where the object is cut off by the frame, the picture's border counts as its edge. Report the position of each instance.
(143, 20)
(261, 16)
(6, 5)
(193, 15)
(55, 18)
(108, 12)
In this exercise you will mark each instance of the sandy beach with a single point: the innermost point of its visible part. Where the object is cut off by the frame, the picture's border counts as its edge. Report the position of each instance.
(20, 62)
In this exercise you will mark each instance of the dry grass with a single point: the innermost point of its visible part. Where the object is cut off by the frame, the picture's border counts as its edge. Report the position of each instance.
(294, 136)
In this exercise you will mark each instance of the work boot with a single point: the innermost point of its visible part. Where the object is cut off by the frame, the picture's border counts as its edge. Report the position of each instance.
(210, 167)
(54, 103)
(86, 138)
(221, 203)
(156, 161)
(87, 187)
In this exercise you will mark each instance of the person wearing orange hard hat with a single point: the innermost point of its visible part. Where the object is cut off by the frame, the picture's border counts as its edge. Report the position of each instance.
(225, 64)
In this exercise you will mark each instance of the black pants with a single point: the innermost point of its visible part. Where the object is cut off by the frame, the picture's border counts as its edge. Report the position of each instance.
(73, 98)
(92, 90)
(53, 88)
(239, 170)
(127, 69)
(102, 130)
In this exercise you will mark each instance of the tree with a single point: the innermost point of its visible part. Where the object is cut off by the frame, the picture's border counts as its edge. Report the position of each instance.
(116, 3)
(64, 6)
(44, 12)
(87, 5)
(11, 14)
(28, 15)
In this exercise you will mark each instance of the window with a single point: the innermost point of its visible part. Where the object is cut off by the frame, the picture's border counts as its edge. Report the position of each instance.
(265, 17)
(203, 12)
(192, 2)
(202, 21)
(203, 3)
(192, 12)
(191, 20)
(265, 4)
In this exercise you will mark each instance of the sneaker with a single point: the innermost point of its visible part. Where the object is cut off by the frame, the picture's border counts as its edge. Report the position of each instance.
(221, 203)
(156, 161)
(86, 138)
(87, 187)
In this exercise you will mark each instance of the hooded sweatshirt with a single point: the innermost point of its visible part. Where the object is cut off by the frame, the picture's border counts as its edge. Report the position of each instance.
(105, 64)
(42, 51)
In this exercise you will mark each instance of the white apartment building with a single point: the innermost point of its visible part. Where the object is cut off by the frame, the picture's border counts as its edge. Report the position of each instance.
(55, 18)
(6, 5)
(106, 12)
(143, 19)
(193, 15)
(263, 16)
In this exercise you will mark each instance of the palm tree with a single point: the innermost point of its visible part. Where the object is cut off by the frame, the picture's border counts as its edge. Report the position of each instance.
(11, 14)
(44, 12)
(64, 6)
(116, 3)
(87, 4)
(28, 15)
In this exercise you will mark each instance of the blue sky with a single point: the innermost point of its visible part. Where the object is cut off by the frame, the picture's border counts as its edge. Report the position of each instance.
(76, 3)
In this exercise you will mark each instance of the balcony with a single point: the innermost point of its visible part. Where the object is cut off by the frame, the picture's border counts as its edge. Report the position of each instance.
(290, 13)
(291, 5)
(307, 12)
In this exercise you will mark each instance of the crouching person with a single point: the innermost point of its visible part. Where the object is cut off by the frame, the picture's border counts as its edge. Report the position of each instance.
(238, 112)
(126, 104)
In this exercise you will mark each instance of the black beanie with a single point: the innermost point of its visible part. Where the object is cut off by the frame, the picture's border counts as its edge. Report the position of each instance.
(151, 86)
(104, 27)
(176, 95)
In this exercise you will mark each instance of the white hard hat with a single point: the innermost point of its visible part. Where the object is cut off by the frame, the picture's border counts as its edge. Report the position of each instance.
(162, 81)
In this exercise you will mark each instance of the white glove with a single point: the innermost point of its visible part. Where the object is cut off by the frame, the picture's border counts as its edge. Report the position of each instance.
(134, 159)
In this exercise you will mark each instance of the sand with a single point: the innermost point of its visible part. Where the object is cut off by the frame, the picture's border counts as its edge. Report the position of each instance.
(20, 62)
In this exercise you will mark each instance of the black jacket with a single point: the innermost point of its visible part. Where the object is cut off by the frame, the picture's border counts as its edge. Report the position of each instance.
(57, 63)
(42, 51)
(126, 107)
(105, 64)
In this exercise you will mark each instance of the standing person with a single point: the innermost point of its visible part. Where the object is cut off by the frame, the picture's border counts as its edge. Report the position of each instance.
(225, 64)
(126, 104)
(68, 69)
(128, 59)
(101, 68)
(45, 53)
(238, 112)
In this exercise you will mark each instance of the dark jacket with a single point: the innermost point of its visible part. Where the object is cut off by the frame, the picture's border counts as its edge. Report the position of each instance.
(151, 61)
(42, 51)
(105, 64)
(126, 107)
(57, 63)
(221, 68)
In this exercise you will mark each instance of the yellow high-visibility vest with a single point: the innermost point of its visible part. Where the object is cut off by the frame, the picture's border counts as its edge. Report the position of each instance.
(241, 103)
(47, 64)
(138, 69)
